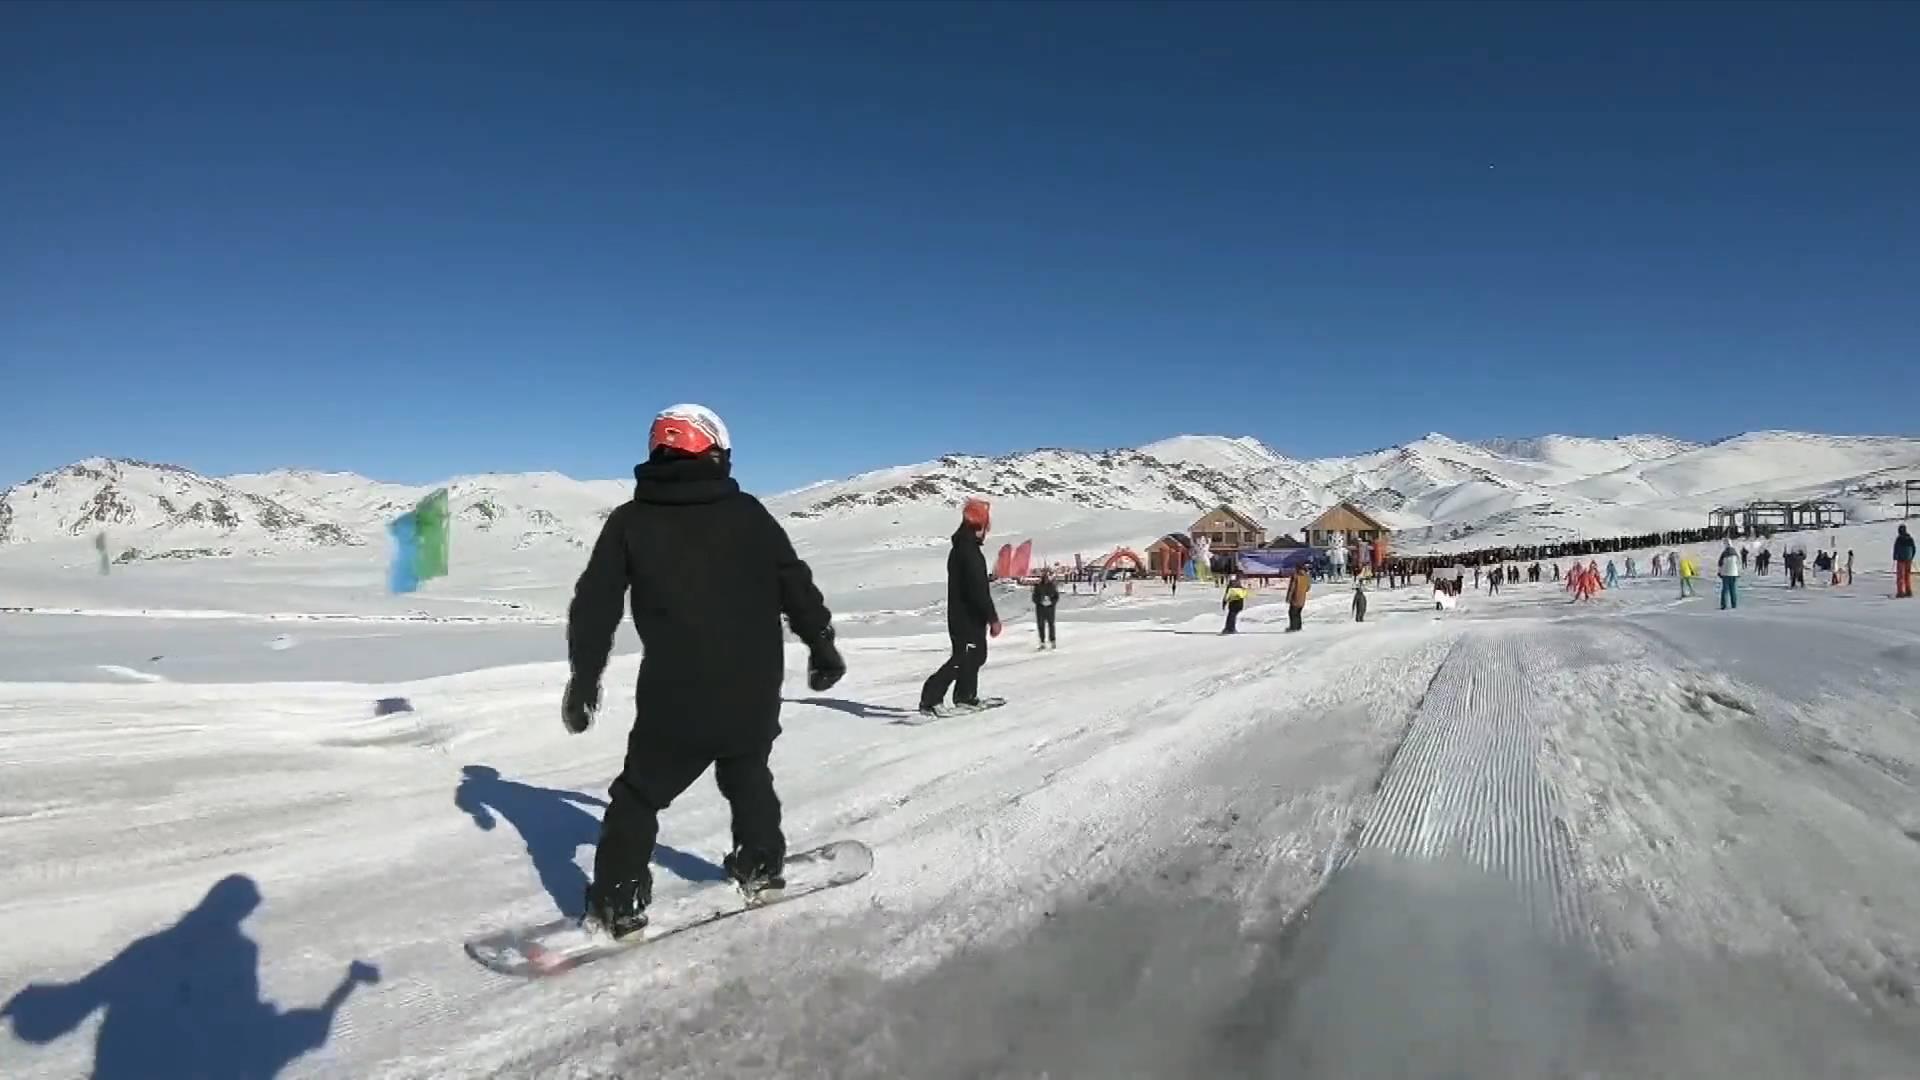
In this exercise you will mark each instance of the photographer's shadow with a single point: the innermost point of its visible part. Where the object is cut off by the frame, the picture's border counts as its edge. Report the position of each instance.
(185, 1002)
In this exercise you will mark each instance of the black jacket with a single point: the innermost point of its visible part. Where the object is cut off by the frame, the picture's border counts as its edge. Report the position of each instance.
(1048, 591)
(969, 600)
(1903, 547)
(710, 573)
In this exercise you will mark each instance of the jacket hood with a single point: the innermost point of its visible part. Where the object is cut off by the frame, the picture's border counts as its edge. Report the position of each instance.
(682, 481)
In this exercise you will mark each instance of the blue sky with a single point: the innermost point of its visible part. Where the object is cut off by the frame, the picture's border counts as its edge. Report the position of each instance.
(415, 240)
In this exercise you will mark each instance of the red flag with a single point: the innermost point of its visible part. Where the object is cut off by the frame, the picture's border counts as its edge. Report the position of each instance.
(1022, 560)
(1003, 566)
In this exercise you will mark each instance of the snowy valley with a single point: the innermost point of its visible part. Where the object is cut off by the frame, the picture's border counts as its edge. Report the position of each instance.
(882, 530)
(254, 803)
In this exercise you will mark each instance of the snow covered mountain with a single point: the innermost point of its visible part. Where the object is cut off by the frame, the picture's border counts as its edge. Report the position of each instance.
(137, 496)
(167, 509)
(1438, 492)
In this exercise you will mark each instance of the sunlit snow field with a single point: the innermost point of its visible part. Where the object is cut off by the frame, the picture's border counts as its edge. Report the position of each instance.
(1524, 838)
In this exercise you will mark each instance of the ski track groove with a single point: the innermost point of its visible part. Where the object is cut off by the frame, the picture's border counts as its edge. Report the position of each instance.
(1466, 783)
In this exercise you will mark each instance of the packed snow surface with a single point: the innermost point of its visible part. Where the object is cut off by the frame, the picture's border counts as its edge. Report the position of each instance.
(252, 808)
(253, 803)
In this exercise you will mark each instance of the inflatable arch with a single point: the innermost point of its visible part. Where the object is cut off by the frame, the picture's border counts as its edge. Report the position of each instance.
(1112, 564)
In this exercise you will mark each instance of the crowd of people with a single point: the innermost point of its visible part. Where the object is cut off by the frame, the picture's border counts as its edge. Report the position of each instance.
(1403, 569)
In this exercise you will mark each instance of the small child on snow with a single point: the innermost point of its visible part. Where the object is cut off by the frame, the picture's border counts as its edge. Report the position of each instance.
(1359, 601)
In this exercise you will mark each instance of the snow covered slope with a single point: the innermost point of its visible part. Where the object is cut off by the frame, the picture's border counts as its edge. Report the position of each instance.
(1441, 493)
(1639, 837)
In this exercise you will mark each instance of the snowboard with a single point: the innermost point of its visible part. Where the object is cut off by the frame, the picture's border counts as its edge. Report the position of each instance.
(551, 948)
(947, 712)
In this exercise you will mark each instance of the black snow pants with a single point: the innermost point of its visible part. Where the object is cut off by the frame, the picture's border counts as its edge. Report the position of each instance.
(1293, 618)
(1043, 618)
(961, 672)
(1233, 617)
(654, 775)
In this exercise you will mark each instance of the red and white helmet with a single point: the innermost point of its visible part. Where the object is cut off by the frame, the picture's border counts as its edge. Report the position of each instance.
(690, 429)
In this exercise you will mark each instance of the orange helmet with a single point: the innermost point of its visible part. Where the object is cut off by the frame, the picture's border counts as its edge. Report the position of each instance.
(976, 513)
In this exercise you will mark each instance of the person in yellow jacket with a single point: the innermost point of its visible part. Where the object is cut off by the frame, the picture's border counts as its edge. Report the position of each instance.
(1233, 601)
(1297, 597)
(1688, 571)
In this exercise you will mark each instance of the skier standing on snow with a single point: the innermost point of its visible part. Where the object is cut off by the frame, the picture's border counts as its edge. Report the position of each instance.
(970, 615)
(1687, 572)
(1613, 575)
(1903, 565)
(1046, 600)
(1233, 600)
(1849, 566)
(1493, 581)
(1359, 600)
(1297, 597)
(711, 573)
(1729, 578)
(1656, 564)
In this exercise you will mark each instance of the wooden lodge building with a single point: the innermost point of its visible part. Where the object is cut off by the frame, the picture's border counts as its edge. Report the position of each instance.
(1344, 518)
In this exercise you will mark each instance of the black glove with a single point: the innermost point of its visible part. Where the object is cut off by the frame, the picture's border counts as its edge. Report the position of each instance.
(824, 666)
(578, 707)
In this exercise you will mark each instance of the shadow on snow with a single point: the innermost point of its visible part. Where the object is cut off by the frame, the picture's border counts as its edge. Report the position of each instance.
(185, 1002)
(555, 825)
(856, 709)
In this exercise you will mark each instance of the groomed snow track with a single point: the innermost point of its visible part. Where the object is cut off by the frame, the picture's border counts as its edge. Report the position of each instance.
(1465, 784)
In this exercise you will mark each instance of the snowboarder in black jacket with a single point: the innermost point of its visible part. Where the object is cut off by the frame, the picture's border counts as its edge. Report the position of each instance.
(970, 614)
(710, 572)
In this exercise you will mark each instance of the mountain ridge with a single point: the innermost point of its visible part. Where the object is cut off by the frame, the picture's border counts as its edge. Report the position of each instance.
(1433, 489)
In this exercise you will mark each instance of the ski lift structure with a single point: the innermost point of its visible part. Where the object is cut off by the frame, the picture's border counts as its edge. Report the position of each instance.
(1770, 515)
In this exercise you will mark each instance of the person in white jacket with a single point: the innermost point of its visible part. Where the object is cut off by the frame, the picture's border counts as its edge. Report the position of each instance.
(1729, 578)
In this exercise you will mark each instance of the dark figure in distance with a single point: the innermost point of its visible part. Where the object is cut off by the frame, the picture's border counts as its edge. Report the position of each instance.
(1046, 603)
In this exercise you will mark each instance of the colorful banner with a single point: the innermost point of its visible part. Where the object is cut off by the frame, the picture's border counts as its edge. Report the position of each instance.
(420, 543)
(1274, 562)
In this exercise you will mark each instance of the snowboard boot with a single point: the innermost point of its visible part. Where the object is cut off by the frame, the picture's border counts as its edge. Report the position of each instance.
(979, 704)
(620, 908)
(756, 873)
